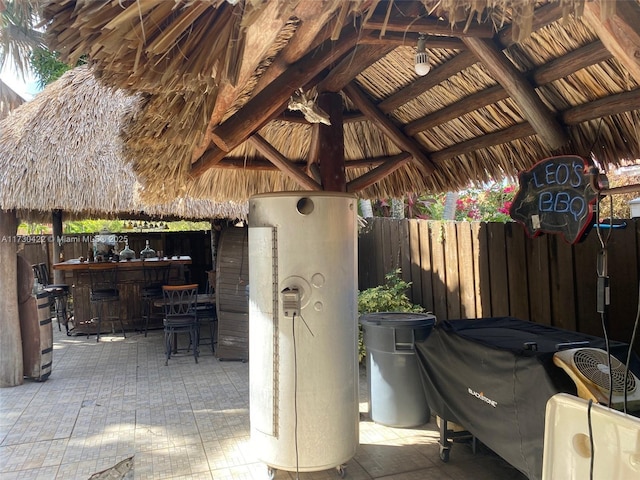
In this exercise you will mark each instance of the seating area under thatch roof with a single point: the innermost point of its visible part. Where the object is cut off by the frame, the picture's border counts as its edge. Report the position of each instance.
(510, 83)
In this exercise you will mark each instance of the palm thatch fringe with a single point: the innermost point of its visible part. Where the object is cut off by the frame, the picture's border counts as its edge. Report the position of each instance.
(64, 150)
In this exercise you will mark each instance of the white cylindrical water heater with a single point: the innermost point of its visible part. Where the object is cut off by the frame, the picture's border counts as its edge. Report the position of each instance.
(303, 367)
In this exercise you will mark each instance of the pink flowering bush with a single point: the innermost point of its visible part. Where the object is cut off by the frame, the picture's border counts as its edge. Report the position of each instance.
(490, 204)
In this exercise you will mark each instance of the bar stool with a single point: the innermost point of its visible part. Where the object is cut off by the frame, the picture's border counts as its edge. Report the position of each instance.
(58, 291)
(207, 316)
(180, 316)
(156, 274)
(103, 279)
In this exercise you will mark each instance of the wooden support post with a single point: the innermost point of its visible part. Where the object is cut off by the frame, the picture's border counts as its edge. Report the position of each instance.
(11, 364)
(58, 245)
(331, 144)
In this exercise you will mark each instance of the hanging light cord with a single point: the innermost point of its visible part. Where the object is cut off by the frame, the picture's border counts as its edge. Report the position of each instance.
(633, 340)
(603, 273)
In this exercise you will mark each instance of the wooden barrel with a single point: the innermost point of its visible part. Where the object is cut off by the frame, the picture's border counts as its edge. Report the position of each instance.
(232, 294)
(37, 336)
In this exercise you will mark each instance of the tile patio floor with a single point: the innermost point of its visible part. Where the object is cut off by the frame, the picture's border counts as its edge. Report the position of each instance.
(111, 400)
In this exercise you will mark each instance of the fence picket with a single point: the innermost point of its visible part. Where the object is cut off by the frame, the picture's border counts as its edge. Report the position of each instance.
(466, 271)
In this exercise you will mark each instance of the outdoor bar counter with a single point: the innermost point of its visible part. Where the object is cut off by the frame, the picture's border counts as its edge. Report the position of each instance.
(130, 282)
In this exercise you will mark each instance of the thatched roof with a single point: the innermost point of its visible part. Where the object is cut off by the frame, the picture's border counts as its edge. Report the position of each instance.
(511, 82)
(64, 150)
(8, 100)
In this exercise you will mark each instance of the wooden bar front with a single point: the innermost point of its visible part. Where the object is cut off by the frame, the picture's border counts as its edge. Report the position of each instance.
(130, 283)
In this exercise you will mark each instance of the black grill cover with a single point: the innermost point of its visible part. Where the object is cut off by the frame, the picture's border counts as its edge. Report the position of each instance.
(479, 374)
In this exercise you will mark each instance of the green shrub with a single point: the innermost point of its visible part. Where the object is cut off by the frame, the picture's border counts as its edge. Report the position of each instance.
(390, 297)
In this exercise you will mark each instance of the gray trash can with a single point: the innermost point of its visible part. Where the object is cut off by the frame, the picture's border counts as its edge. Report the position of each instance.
(396, 397)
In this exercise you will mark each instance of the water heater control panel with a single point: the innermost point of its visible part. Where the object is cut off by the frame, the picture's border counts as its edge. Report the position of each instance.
(291, 302)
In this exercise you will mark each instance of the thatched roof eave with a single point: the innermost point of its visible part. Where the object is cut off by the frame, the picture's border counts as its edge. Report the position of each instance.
(511, 82)
(64, 150)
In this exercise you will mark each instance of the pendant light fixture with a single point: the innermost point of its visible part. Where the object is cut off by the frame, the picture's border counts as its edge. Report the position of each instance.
(422, 66)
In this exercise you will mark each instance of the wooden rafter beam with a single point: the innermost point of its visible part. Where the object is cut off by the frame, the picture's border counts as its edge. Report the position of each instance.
(620, 33)
(272, 100)
(542, 17)
(521, 91)
(410, 40)
(381, 121)
(361, 57)
(258, 37)
(591, 54)
(284, 164)
(378, 173)
(468, 104)
(515, 132)
(297, 117)
(603, 107)
(583, 57)
(428, 26)
(612, 105)
(422, 84)
(313, 28)
(260, 164)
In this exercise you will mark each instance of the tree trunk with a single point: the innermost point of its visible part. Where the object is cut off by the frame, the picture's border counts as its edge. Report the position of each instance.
(450, 206)
(11, 366)
(366, 208)
(397, 208)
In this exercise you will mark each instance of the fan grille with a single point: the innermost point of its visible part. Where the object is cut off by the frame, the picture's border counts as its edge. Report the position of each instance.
(593, 365)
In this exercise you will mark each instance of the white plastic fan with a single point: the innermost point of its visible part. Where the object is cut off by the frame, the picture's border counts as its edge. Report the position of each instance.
(589, 369)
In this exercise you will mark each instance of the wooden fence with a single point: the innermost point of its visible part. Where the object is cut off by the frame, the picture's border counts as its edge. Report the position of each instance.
(474, 270)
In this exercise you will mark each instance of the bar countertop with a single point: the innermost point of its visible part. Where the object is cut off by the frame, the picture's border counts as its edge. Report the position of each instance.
(76, 264)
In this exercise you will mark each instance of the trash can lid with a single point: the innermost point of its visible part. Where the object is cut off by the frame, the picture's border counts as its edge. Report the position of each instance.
(397, 319)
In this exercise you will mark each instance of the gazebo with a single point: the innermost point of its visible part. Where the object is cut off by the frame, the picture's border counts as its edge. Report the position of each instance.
(321, 95)
(62, 155)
